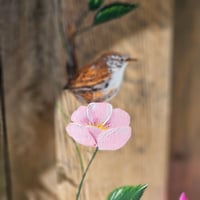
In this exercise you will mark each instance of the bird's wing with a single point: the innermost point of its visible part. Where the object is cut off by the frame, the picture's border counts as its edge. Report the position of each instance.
(90, 75)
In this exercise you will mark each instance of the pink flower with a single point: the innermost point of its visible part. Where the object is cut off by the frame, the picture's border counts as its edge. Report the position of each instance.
(183, 196)
(99, 125)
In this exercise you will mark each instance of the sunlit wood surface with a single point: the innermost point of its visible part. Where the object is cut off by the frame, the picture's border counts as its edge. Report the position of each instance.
(145, 94)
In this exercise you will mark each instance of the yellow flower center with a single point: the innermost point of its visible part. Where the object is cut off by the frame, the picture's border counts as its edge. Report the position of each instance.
(101, 126)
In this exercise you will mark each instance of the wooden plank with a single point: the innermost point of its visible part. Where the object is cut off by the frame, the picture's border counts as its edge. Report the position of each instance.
(145, 94)
(185, 160)
(33, 78)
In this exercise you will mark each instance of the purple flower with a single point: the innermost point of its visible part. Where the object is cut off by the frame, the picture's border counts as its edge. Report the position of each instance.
(99, 125)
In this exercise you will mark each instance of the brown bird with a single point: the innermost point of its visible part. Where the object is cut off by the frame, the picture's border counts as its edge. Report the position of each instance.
(100, 80)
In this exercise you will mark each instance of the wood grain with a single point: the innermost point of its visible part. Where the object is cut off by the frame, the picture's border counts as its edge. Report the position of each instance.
(145, 94)
(33, 74)
(185, 138)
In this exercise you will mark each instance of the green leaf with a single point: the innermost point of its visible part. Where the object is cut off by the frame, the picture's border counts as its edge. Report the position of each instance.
(94, 4)
(127, 193)
(113, 11)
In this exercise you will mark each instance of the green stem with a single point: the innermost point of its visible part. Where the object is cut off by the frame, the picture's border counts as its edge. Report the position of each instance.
(68, 44)
(83, 30)
(58, 105)
(79, 156)
(81, 18)
(75, 144)
(85, 173)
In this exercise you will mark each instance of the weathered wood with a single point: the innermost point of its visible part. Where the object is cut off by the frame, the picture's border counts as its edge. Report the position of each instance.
(147, 35)
(2, 169)
(68, 164)
(185, 145)
(33, 78)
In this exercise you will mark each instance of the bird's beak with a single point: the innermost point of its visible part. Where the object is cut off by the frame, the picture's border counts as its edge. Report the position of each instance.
(131, 59)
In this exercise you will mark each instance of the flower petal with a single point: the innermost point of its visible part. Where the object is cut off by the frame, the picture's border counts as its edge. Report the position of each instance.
(183, 196)
(94, 131)
(80, 134)
(119, 118)
(80, 115)
(99, 113)
(114, 139)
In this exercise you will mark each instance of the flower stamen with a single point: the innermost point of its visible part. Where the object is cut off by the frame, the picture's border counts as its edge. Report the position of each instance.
(101, 126)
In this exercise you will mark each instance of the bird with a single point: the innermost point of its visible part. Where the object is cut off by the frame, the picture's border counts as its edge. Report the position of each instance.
(101, 79)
